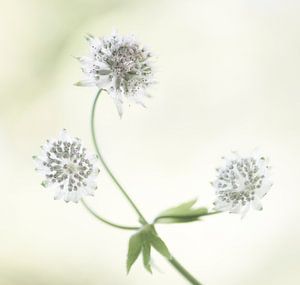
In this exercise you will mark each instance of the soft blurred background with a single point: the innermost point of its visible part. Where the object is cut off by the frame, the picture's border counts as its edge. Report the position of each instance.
(228, 79)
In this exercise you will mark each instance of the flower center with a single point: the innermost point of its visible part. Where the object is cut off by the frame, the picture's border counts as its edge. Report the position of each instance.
(124, 59)
(239, 180)
(71, 168)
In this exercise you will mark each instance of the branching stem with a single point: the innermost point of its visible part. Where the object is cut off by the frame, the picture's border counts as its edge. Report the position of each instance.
(189, 277)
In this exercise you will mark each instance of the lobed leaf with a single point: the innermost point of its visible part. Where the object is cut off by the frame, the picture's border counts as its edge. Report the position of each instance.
(147, 256)
(182, 208)
(183, 213)
(142, 241)
(134, 249)
(159, 245)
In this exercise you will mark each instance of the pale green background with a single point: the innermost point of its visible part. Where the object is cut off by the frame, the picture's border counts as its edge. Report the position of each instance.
(228, 78)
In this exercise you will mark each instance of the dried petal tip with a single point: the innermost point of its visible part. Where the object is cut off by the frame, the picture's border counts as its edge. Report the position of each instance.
(66, 165)
(242, 182)
(119, 65)
(79, 83)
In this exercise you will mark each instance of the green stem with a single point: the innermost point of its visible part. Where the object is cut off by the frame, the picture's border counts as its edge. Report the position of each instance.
(106, 221)
(213, 213)
(142, 219)
(173, 261)
(184, 272)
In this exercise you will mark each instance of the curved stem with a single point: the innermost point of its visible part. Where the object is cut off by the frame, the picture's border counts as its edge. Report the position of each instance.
(184, 272)
(142, 219)
(106, 221)
(173, 261)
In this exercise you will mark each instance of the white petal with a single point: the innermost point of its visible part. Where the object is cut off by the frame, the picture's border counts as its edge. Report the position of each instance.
(94, 42)
(73, 196)
(104, 82)
(103, 65)
(43, 170)
(86, 83)
(38, 161)
(79, 195)
(256, 204)
(263, 190)
(138, 99)
(68, 196)
(63, 136)
(85, 59)
(92, 157)
(90, 191)
(119, 106)
(236, 209)
(245, 211)
(91, 184)
(59, 194)
(94, 173)
(222, 206)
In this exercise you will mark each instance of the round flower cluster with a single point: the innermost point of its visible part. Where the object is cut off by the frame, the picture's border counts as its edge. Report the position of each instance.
(66, 165)
(119, 65)
(242, 182)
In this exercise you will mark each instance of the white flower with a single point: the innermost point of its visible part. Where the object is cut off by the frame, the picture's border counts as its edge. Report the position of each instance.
(242, 182)
(66, 165)
(119, 65)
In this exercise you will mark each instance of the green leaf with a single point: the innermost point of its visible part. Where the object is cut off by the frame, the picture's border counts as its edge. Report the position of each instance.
(134, 249)
(147, 256)
(142, 241)
(159, 245)
(180, 209)
(176, 220)
(182, 213)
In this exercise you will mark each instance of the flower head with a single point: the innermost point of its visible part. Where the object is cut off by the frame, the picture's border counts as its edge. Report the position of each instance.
(242, 182)
(66, 165)
(119, 65)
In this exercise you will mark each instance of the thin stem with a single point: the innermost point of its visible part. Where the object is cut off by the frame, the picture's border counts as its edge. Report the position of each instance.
(213, 213)
(106, 221)
(184, 272)
(142, 219)
(173, 261)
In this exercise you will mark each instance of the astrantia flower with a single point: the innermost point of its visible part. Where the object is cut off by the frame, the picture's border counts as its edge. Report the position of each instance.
(66, 165)
(242, 182)
(119, 65)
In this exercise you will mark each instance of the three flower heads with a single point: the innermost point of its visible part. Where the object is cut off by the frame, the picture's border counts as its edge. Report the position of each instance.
(123, 68)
